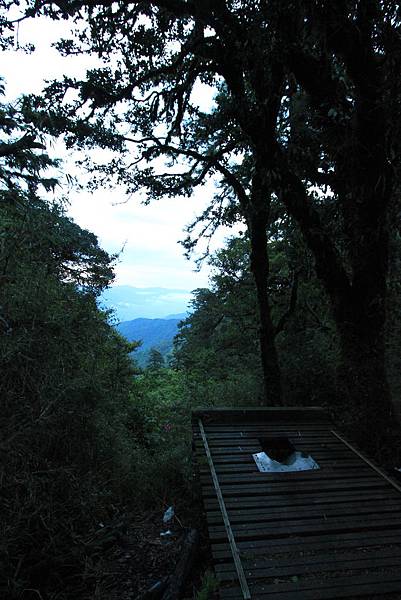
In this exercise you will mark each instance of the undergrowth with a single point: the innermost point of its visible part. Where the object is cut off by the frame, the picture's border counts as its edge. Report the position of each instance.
(84, 439)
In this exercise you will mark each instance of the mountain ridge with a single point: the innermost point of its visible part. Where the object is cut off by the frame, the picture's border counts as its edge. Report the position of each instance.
(155, 333)
(129, 303)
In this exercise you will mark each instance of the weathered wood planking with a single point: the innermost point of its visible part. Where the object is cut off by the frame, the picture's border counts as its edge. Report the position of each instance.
(314, 535)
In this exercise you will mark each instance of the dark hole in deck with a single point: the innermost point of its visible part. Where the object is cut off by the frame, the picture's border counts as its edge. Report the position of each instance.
(277, 448)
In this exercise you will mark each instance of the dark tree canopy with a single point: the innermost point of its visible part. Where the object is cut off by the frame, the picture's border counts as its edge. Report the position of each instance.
(24, 164)
(306, 111)
(217, 345)
(301, 136)
(66, 376)
(156, 360)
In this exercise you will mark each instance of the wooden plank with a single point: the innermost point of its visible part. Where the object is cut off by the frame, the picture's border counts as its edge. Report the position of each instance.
(257, 477)
(296, 435)
(300, 442)
(269, 414)
(331, 448)
(261, 515)
(316, 452)
(247, 465)
(324, 452)
(264, 430)
(309, 449)
(250, 549)
(339, 587)
(350, 587)
(338, 453)
(307, 528)
(290, 479)
(227, 526)
(344, 518)
(249, 437)
(251, 445)
(241, 428)
(255, 439)
(335, 459)
(245, 457)
(318, 559)
(368, 462)
(325, 469)
(279, 424)
(283, 422)
(269, 501)
(298, 568)
(264, 528)
(294, 486)
(307, 511)
(250, 467)
(251, 424)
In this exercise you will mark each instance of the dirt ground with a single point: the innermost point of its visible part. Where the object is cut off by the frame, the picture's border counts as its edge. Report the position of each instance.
(144, 558)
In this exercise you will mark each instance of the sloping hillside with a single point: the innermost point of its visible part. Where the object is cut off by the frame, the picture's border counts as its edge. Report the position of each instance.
(131, 303)
(154, 333)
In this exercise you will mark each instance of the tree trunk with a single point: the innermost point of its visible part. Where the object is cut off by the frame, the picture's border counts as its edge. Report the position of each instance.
(362, 383)
(361, 319)
(357, 290)
(260, 270)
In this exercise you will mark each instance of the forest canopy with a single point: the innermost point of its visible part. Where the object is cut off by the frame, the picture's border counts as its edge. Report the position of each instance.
(302, 142)
(306, 113)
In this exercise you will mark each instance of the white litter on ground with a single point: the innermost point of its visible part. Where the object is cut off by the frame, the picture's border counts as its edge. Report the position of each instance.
(168, 515)
(296, 462)
(166, 534)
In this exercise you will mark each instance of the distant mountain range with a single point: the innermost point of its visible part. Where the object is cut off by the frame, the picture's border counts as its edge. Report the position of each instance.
(147, 314)
(154, 333)
(132, 303)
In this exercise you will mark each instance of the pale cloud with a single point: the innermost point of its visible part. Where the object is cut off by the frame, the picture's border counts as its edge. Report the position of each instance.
(152, 256)
(25, 73)
(176, 297)
(143, 273)
(149, 235)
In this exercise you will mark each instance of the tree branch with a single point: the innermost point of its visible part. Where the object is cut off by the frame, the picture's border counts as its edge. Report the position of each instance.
(212, 161)
(27, 142)
(329, 266)
(291, 305)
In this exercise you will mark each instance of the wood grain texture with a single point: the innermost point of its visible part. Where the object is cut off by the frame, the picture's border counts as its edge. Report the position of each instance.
(330, 533)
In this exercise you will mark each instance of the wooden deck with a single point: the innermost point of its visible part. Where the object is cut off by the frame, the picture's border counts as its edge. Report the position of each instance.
(313, 535)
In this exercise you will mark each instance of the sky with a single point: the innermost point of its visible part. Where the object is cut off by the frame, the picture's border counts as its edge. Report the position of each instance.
(149, 235)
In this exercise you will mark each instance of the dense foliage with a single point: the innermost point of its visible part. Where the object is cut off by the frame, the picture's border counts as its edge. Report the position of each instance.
(306, 110)
(82, 441)
(64, 388)
(218, 347)
(302, 139)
